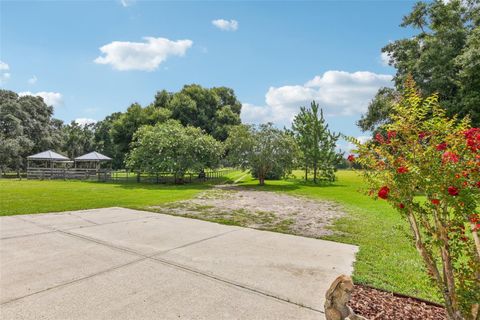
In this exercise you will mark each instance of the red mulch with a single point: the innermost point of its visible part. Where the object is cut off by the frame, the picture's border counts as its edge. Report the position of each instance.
(375, 304)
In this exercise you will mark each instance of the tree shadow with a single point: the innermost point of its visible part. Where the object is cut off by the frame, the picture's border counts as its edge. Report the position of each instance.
(131, 185)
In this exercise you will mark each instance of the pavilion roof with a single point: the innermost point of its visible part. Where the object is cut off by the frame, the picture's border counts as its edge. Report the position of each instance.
(48, 155)
(93, 156)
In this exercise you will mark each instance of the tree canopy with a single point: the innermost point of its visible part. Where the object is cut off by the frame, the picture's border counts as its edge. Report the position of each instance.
(443, 57)
(172, 147)
(316, 142)
(26, 127)
(261, 149)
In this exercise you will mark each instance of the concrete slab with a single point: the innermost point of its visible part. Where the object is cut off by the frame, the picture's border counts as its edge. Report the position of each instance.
(293, 268)
(57, 221)
(149, 236)
(14, 227)
(126, 264)
(34, 263)
(150, 290)
(111, 215)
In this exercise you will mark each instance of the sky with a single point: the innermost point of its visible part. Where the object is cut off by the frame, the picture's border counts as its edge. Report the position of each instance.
(91, 58)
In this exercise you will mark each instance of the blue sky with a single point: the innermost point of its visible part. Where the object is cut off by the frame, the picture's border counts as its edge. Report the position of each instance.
(275, 55)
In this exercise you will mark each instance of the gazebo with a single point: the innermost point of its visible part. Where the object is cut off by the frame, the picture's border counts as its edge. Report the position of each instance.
(45, 164)
(91, 160)
(91, 164)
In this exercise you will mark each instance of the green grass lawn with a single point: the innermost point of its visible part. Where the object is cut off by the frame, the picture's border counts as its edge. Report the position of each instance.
(27, 196)
(387, 258)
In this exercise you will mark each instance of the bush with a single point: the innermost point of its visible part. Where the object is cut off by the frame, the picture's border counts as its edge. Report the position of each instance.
(427, 166)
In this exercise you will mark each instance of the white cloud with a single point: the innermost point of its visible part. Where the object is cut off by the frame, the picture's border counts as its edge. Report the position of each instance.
(54, 99)
(338, 93)
(4, 74)
(226, 25)
(4, 66)
(33, 79)
(145, 56)
(385, 58)
(84, 121)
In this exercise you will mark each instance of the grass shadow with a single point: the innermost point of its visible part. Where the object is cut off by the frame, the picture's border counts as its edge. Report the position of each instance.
(130, 185)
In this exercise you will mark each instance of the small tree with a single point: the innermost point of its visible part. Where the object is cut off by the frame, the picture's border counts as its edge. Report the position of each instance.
(261, 149)
(427, 166)
(316, 142)
(171, 147)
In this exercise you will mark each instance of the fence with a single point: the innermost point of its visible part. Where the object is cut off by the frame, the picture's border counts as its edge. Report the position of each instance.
(166, 177)
(70, 173)
(115, 176)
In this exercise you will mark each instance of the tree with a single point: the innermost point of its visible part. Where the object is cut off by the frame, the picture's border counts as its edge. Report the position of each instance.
(171, 147)
(26, 127)
(316, 142)
(426, 167)
(213, 110)
(104, 142)
(261, 149)
(78, 139)
(124, 127)
(443, 57)
(379, 110)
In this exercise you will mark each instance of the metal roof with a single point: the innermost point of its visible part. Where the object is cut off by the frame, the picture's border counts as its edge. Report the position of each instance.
(93, 156)
(48, 155)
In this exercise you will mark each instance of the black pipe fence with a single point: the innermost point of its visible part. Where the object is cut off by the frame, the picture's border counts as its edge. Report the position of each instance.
(167, 177)
(116, 176)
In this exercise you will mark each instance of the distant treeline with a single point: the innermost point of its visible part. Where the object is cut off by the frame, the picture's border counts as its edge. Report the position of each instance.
(27, 125)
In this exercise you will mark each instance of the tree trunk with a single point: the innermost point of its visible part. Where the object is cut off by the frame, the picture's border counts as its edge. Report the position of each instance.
(261, 180)
(306, 173)
(315, 168)
(452, 314)
(261, 177)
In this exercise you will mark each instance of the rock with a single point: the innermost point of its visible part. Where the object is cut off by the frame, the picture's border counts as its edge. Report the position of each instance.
(336, 299)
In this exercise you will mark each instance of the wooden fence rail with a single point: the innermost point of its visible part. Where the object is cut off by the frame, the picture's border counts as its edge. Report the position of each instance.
(70, 173)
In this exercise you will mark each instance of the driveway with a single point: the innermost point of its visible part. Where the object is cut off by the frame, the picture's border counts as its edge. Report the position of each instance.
(117, 263)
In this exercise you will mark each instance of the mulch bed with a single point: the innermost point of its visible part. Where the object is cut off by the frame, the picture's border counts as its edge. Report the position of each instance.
(375, 304)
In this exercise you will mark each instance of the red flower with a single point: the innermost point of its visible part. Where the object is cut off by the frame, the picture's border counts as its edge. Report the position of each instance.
(391, 134)
(351, 158)
(401, 206)
(453, 191)
(402, 170)
(474, 218)
(449, 157)
(383, 192)
(478, 184)
(473, 138)
(379, 138)
(435, 201)
(442, 146)
(422, 135)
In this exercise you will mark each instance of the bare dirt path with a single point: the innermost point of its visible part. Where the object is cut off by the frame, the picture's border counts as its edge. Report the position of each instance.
(273, 211)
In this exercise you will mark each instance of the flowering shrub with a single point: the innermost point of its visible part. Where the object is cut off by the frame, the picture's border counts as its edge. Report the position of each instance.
(427, 167)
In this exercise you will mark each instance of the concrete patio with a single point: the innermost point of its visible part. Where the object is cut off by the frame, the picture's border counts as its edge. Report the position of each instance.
(117, 263)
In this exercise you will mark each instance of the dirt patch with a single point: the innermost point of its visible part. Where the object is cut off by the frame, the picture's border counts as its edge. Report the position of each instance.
(259, 209)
